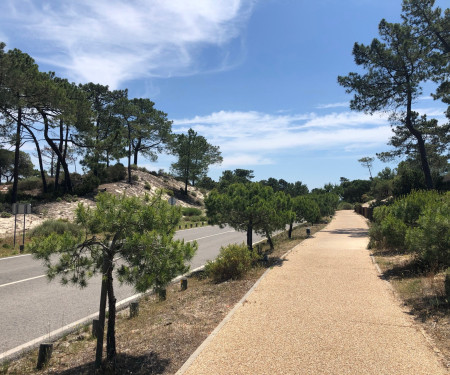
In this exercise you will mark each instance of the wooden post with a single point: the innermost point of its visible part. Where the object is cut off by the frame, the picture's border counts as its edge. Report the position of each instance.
(184, 283)
(95, 328)
(162, 294)
(308, 232)
(134, 309)
(45, 353)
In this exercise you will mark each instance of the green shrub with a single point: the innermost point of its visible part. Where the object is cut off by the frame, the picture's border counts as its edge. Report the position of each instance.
(134, 177)
(430, 240)
(30, 183)
(409, 208)
(233, 262)
(147, 186)
(5, 215)
(191, 211)
(345, 206)
(55, 226)
(116, 173)
(88, 184)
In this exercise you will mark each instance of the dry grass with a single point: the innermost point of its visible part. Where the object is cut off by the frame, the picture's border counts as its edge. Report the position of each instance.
(423, 292)
(164, 334)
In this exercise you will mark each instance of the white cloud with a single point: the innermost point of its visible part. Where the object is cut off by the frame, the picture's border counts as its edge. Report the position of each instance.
(110, 41)
(254, 138)
(333, 105)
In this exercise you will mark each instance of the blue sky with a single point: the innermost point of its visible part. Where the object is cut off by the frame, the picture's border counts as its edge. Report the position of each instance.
(256, 77)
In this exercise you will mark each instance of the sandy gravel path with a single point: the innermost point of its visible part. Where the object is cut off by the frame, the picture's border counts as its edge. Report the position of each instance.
(324, 311)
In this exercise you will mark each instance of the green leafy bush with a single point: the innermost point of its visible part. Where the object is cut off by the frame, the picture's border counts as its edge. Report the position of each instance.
(233, 262)
(88, 184)
(5, 215)
(147, 186)
(30, 183)
(345, 206)
(191, 211)
(55, 226)
(418, 223)
(431, 238)
(116, 173)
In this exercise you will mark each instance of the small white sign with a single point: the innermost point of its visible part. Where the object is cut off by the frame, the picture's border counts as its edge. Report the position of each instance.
(21, 208)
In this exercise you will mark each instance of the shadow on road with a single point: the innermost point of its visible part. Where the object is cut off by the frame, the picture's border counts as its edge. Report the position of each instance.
(356, 232)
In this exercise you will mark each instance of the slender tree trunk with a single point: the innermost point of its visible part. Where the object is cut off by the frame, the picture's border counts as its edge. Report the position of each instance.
(55, 149)
(136, 151)
(60, 147)
(111, 334)
(420, 143)
(269, 240)
(102, 315)
(250, 235)
(129, 154)
(41, 164)
(291, 226)
(17, 157)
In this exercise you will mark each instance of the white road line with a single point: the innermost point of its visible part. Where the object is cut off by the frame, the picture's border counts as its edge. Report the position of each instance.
(15, 256)
(212, 235)
(21, 281)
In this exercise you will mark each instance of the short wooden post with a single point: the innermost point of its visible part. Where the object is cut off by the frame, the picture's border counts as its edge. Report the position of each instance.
(308, 232)
(191, 225)
(184, 283)
(134, 309)
(95, 328)
(21, 248)
(447, 283)
(45, 353)
(162, 294)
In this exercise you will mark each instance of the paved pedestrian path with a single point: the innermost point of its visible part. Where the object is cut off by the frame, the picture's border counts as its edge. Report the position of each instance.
(324, 311)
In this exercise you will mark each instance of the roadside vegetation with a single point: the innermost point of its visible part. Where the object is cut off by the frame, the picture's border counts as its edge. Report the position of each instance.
(165, 333)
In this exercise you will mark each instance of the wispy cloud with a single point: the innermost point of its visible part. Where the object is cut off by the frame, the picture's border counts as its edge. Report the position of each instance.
(333, 105)
(254, 138)
(111, 41)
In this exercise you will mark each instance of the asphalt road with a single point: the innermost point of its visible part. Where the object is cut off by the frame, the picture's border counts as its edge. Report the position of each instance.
(32, 307)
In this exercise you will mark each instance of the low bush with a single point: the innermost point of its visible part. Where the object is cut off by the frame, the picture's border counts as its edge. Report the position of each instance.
(418, 223)
(191, 211)
(233, 262)
(430, 239)
(88, 184)
(116, 173)
(345, 206)
(5, 215)
(55, 226)
(30, 183)
(147, 186)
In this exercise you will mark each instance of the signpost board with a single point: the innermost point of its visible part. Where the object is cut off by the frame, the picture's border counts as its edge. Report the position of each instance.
(20, 208)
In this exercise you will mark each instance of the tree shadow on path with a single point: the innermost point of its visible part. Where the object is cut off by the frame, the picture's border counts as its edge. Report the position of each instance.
(354, 232)
(150, 363)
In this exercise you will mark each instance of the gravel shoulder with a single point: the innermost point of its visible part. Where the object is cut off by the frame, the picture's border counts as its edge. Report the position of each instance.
(325, 311)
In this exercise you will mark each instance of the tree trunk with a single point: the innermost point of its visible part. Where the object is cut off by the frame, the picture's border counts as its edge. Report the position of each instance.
(41, 164)
(269, 240)
(111, 334)
(56, 150)
(101, 316)
(129, 153)
(136, 151)
(60, 147)
(250, 236)
(420, 142)
(291, 225)
(17, 157)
